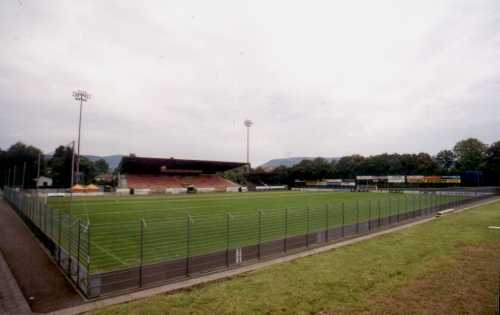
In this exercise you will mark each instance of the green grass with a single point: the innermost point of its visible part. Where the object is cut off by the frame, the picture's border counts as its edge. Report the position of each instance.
(447, 266)
(216, 220)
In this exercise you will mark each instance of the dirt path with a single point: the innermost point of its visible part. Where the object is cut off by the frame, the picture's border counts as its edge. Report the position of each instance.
(12, 300)
(41, 282)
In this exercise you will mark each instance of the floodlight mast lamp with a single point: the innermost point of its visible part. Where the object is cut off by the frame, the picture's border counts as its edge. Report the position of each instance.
(248, 123)
(82, 96)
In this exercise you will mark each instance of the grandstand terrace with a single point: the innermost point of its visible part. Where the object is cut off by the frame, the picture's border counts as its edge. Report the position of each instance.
(162, 175)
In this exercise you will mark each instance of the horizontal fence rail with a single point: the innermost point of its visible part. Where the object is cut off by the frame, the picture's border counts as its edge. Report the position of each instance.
(112, 257)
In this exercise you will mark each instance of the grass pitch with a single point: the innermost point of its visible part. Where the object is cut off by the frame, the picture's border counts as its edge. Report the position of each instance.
(172, 227)
(447, 266)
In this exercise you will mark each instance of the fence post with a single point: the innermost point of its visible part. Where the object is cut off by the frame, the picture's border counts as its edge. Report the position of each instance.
(397, 209)
(378, 205)
(419, 202)
(403, 208)
(433, 201)
(51, 222)
(59, 237)
(414, 208)
(141, 252)
(431, 204)
(426, 203)
(307, 226)
(427, 200)
(259, 253)
(357, 216)
(228, 236)
(188, 243)
(89, 247)
(78, 256)
(35, 206)
(436, 202)
(70, 241)
(369, 215)
(44, 211)
(389, 209)
(343, 219)
(286, 230)
(327, 223)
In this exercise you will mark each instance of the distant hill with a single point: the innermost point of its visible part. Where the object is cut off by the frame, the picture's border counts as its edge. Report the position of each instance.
(288, 162)
(112, 160)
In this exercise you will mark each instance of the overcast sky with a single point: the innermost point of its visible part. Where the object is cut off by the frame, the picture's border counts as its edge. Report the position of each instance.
(318, 78)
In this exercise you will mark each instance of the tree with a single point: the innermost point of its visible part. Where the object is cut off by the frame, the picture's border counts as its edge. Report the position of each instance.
(88, 170)
(24, 158)
(349, 166)
(237, 175)
(321, 169)
(101, 166)
(425, 164)
(493, 157)
(282, 175)
(377, 165)
(60, 166)
(4, 169)
(445, 160)
(470, 155)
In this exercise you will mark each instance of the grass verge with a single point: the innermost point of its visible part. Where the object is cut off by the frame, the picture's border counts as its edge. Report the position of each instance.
(447, 266)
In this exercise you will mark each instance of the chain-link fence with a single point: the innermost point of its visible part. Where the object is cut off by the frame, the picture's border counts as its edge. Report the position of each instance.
(112, 257)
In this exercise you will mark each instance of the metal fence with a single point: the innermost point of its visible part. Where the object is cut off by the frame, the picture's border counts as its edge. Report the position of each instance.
(65, 237)
(109, 258)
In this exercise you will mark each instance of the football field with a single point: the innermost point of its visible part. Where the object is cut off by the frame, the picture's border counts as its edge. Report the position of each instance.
(173, 227)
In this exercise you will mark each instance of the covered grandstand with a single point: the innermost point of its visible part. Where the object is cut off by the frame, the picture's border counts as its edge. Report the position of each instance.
(169, 175)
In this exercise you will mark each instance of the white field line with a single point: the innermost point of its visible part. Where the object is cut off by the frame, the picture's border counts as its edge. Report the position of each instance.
(103, 212)
(135, 210)
(127, 202)
(174, 199)
(129, 211)
(104, 250)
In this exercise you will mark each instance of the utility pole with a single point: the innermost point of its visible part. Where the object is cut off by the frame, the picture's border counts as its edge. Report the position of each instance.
(248, 123)
(14, 177)
(72, 164)
(24, 174)
(38, 165)
(82, 96)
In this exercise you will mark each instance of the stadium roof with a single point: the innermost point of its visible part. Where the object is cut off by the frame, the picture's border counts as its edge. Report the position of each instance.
(145, 165)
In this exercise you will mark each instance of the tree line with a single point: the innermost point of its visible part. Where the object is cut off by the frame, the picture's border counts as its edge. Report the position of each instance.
(470, 155)
(21, 164)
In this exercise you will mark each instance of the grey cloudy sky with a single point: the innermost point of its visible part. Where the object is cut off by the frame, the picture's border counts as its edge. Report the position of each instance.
(177, 78)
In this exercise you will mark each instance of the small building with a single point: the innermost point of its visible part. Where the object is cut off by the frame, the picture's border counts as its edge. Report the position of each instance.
(104, 179)
(43, 181)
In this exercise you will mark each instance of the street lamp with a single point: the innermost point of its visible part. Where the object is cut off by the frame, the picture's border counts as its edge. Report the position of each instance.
(82, 96)
(248, 123)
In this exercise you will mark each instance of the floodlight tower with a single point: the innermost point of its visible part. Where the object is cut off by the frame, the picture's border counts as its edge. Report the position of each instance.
(248, 123)
(82, 96)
